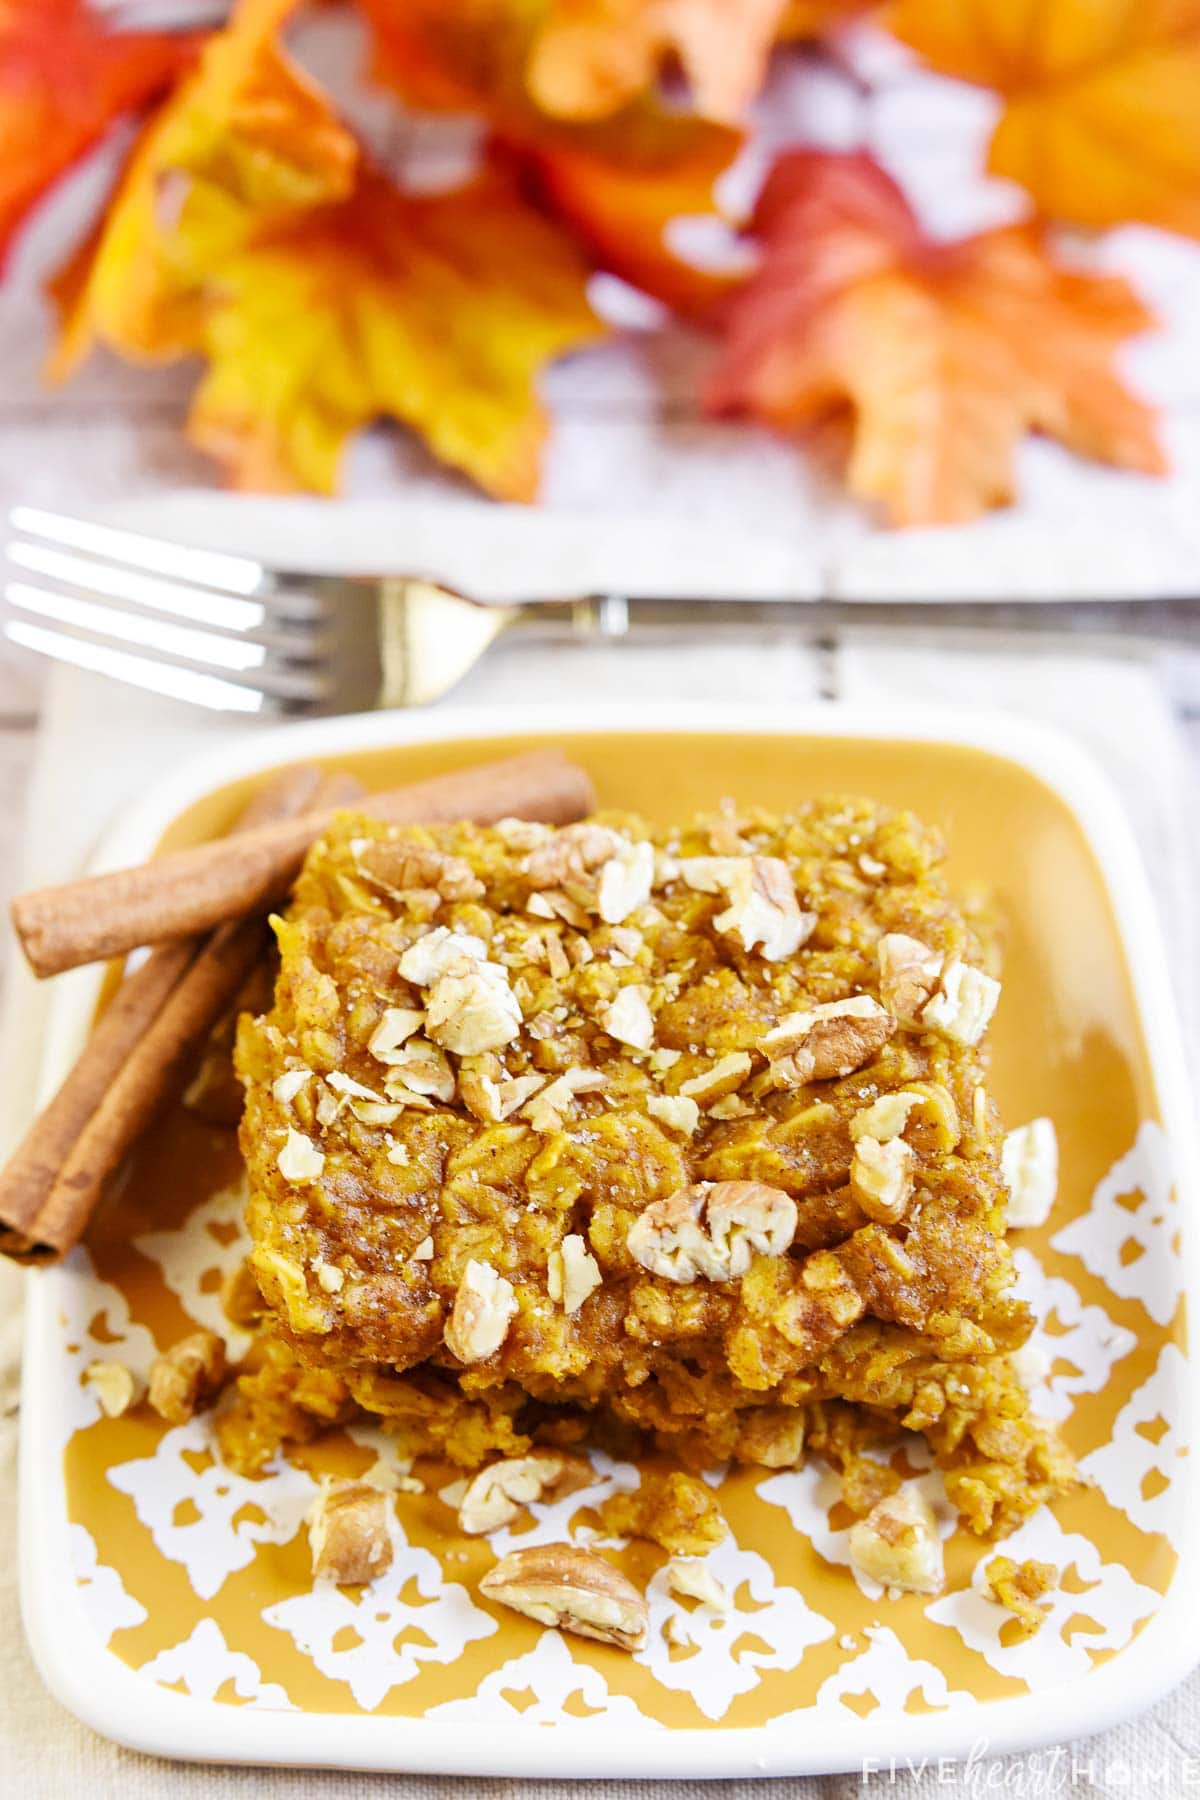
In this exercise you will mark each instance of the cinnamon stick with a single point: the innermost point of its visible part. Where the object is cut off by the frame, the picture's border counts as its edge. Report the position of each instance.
(50, 1185)
(193, 890)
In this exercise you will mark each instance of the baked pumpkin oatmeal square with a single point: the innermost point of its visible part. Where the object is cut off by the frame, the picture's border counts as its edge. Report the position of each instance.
(674, 1136)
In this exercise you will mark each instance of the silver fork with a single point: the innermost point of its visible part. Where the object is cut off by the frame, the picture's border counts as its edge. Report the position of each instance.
(231, 633)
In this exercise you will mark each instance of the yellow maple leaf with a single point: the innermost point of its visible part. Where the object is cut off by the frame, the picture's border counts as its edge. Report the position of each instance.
(246, 139)
(618, 181)
(246, 230)
(436, 310)
(943, 355)
(1101, 118)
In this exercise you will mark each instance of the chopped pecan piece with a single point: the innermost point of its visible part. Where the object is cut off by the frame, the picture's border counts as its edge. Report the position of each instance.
(827, 1042)
(484, 1307)
(473, 1009)
(440, 952)
(351, 1532)
(625, 882)
(696, 1581)
(678, 1111)
(762, 909)
(299, 1160)
(573, 853)
(115, 1387)
(575, 1590)
(187, 1375)
(1029, 1162)
(712, 1229)
(898, 1544)
(628, 1018)
(499, 1493)
(572, 1273)
(881, 1176)
(927, 993)
(398, 865)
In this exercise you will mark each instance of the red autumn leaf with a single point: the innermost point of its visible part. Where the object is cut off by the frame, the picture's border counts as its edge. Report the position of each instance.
(943, 355)
(64, 79)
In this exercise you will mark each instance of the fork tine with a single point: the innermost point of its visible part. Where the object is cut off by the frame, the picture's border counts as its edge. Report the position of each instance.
(204, 605)
(138, 671)
(239, 575)
(140, 629)
(302, 680)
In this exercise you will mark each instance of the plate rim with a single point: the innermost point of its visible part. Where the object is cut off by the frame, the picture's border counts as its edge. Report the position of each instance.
(116, 1701)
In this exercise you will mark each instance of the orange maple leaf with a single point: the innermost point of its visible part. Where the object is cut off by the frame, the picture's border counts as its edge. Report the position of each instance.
(618, 181)
(589, 58)
(944, 354)
(1101, 119)
(64, 79)
(437, 310)
(246, 140)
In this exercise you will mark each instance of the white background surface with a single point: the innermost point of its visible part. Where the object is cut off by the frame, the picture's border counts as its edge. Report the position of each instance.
(627, 437)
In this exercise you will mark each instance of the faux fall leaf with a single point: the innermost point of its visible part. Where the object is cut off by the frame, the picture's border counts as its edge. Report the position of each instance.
(591, 57)
(945, 355)
(1101, 118)
(437, 310)
(246, 141)
(65, 78)
(247, 231)
(618, 182)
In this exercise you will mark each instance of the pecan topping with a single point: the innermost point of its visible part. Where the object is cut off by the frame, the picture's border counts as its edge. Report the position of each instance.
(573, 853)
(908, 976)
(762, 909)
(628, 1018)
(625, 882)
(299, 1160)
(827, 1042)
(928, 993)
(483, 1311)
(881, 1176)
(712, 1229)
(572, 1273)
(398, 865)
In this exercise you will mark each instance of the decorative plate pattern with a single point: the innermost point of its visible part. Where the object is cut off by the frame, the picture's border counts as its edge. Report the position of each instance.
(198, 1579)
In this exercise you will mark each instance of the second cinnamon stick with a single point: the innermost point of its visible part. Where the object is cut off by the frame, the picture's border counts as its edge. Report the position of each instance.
(124, 1068)
(191, 891)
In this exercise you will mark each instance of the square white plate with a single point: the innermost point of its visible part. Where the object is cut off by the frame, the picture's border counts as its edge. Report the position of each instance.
(122, 1703)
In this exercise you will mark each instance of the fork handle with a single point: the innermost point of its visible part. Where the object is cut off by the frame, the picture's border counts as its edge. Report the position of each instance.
(614, 615)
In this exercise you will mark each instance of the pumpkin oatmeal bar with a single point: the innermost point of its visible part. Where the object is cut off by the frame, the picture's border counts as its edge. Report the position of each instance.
(680, 1137)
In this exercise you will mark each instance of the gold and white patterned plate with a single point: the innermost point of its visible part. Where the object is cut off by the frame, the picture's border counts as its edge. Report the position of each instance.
(169, 1603)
